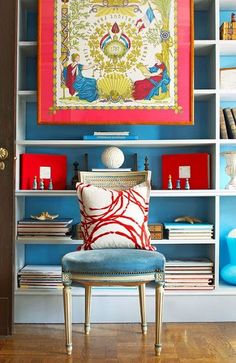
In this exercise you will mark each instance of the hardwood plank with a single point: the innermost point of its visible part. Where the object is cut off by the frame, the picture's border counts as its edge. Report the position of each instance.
(122, 343)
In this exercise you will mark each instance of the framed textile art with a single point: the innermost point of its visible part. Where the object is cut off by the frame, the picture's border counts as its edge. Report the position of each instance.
(115, 62)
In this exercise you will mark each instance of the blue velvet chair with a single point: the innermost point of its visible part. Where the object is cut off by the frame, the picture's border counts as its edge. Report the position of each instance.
(123, 267)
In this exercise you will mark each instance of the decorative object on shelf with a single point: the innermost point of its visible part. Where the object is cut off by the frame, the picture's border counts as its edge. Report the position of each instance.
(188, 219)
(156, 231)
(228, 77)
(113, 157)
(43, 166)
(75, 178)
(41, 184)
(106, 70)
(50, 185)
(187, 185)
(146, 164)
(77, 233)
(178, 185)
(45, 216)
(194, 167)
(35, 183)
(228, 29)
(135, 162)
(230, 169)
(170, 186)
(86, 162)
(228, 272)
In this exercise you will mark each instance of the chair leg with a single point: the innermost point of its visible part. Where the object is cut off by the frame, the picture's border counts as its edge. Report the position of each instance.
(159, 312)
(88, 293)
(68, 317)
(142, 308)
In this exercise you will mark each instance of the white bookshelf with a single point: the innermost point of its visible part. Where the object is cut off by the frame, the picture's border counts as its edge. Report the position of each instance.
(179, 305)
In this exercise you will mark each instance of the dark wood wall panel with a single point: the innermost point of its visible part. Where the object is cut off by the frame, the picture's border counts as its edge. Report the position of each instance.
(8, 11)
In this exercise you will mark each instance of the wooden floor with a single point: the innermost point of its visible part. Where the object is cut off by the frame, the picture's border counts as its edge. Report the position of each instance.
(121, 343)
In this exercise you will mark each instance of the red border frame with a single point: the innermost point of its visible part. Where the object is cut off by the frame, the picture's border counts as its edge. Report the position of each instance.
(136, 116)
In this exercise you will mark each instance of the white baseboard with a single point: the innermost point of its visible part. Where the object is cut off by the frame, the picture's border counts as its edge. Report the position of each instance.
(115, 308)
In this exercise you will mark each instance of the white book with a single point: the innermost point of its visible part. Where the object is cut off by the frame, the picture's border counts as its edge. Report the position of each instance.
(192, 262)
(202, 238)
(105, 133)
(46, 269)
(209, 287)
(193, 231)
(44, 238)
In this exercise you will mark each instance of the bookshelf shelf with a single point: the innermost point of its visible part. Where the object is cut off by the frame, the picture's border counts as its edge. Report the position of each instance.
(227, 47)
(227, 95)
(154, 193)
(227, 4)
(128, 143)
(203, 136)
(28, 240)
(228, 142)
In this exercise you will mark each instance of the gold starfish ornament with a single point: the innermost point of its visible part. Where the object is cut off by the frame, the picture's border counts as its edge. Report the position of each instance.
(188, 219)
(45, 216)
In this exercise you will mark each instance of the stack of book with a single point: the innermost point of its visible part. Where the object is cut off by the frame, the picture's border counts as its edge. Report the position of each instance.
(196, 231)
(228, 123)
(59, 229)
(189, 275)
(40, 277)
(110, 135)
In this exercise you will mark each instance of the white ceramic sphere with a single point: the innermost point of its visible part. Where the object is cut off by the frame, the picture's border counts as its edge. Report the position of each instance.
(113, 157)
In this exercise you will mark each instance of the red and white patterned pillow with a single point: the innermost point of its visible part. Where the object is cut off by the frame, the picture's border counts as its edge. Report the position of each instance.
(114, 219)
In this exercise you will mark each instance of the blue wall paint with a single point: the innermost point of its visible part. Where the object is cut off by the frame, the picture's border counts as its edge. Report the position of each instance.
(201, 25)
(227, 222)
(227, 61)
(226, 15)
(202, 128)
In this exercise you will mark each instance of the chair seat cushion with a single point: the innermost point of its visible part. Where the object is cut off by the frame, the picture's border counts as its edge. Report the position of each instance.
(113, 261)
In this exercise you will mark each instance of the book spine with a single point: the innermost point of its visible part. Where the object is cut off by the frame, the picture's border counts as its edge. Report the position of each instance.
(233, 110)
(108, 133)
(110, 137)
(230, 124)
(223, 129)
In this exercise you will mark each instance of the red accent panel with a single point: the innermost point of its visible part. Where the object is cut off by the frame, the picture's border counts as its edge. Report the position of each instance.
(30, 164)
(199, 165)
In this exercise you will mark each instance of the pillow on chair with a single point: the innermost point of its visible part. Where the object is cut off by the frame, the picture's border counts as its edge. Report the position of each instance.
(114, 219)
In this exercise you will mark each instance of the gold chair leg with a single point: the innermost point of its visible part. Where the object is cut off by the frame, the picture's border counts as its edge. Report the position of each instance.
(88, 291)
(68, 317)
(159, 312)
(142, 308)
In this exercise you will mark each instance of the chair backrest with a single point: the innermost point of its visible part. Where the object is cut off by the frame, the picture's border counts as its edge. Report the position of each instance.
(117, 180)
